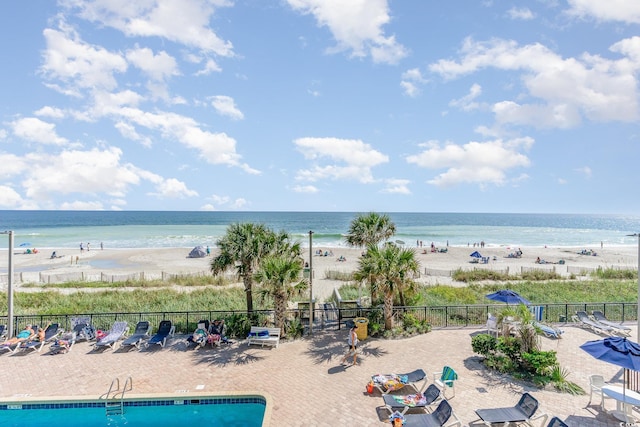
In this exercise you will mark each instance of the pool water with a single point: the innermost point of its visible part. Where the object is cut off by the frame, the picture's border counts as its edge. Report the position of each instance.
(242, 412)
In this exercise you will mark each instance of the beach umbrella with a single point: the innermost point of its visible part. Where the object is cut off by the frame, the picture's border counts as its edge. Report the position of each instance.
(476, 254)
(508, 296)
(617, 351)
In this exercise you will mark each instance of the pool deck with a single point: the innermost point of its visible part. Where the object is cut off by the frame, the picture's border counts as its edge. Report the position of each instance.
(304, 377)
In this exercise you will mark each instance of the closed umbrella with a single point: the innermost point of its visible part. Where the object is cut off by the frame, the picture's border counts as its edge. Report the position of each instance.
(617, 351)
(508, 296)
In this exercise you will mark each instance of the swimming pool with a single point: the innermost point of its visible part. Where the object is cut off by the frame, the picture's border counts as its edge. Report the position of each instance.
(165, 411)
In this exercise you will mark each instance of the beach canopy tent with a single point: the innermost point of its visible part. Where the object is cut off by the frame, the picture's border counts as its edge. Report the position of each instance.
(508, 296)
(475, 254)
(198, 252)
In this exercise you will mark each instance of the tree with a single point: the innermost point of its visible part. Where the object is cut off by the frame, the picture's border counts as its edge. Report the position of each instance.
(369, 229)
(388, 270)
(280, 277)
(243, 246)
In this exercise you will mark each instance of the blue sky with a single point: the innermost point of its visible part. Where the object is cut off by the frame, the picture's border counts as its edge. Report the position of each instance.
(320, 105)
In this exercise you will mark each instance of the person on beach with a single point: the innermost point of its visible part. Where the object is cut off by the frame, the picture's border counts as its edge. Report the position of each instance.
(352, 341)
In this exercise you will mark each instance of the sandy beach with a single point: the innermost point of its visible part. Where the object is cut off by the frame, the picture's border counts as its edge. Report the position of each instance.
(435, 267)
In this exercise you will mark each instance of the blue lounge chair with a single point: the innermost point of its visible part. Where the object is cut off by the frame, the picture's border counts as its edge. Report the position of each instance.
(117, 331)
(618, 328)
(392, 382)
(442, 416)
(200, 335)
(402, 403)
(50, 334)
(142, 332)
(165, 330)
(523, 412)
(64, 343)
(548, 331)
(83, 328)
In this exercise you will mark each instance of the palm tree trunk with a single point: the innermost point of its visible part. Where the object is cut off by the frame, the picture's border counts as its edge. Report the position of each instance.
(280, 303)
(388, 311)
(248, 284)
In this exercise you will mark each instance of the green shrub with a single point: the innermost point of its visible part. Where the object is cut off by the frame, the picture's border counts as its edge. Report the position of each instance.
(484, 344)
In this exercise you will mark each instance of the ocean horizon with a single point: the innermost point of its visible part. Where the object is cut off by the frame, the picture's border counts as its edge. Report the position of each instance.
(184, 229)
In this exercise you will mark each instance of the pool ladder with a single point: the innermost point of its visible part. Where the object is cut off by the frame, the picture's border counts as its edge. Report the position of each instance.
(114, 398)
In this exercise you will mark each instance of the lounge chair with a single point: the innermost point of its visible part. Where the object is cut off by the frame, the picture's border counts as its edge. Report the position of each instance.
(523, 412)
(401, 404)
(200, 335)
(441, 417)
(117, 331)
(446, 380)
(83, 328)
(391, 382)
(557, 422)
(64, 343)
(586, 322)
(165, 330)
(50, 334)
(217, 333)
(619, 329)
(141, 332)
(12, 344)
(548, 331)
(3, 332)
(492, 325)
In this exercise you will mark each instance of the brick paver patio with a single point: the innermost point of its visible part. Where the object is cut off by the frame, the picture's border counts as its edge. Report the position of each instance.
(304, 377)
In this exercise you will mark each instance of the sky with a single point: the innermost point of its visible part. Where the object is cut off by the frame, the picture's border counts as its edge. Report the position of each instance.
(320, 105)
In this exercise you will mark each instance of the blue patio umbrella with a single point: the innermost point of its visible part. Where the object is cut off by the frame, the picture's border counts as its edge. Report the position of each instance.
(617, 351)
(476, 254)
(508, 296)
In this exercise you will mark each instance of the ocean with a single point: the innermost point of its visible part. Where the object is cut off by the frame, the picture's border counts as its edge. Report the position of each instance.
(156, 229)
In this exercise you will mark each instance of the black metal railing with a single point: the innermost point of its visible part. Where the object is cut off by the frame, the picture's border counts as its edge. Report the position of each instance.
(328, 316)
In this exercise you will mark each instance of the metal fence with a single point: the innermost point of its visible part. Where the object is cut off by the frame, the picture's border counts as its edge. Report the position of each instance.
(330, 317)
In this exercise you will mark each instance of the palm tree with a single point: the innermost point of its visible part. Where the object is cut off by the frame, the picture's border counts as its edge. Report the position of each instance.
(243, 246)
(369, 229)
(388, 270)
(280, 278)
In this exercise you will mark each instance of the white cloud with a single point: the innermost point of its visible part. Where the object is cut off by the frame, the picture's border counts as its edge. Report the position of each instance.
(396, 186)
(78, 64)
(173, 189)
(35, 130)
(467, 102)
(627, 11)
(309, 189)
(158, 67)
(85, 172)
(82, 206)
(52, 112)
(9, 198)
(181, 21)
(411, 81)
(226, 106)
(356, 26)
(482, 163)
(597, 88)
(585, 170)
(520, 13)
(351, 159)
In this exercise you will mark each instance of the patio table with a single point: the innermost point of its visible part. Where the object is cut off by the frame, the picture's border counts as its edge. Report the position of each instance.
(625, 401)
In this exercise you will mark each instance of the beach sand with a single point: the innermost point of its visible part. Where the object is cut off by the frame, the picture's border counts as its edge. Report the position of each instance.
(434, 267)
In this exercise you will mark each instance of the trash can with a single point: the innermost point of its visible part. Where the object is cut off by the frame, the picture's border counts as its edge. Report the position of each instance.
(362, 323)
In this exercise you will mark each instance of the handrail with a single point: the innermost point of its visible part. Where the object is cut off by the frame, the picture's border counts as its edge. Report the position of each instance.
(115, 381)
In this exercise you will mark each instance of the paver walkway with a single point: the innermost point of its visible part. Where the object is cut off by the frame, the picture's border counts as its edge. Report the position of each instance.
(304, 377)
